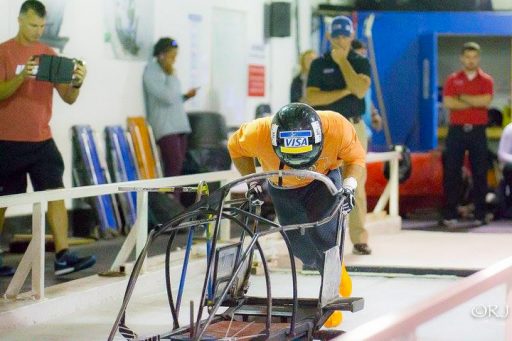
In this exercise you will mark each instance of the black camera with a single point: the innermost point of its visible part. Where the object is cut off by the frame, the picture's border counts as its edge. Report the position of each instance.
(56, 69)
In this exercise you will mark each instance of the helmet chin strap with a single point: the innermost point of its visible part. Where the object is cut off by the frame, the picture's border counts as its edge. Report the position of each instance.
(280, 180)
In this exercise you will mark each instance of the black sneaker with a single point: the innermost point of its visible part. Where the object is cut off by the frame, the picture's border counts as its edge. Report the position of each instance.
(361, 249)
(69, 262)
(483, 221)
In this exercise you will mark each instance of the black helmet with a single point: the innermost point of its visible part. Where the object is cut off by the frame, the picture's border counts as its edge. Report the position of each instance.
(297, 135)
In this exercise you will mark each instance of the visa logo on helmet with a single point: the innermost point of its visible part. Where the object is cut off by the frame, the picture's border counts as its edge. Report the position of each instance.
(295, 142)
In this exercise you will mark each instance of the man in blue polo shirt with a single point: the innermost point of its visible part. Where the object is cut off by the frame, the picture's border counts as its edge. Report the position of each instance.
(338, 81)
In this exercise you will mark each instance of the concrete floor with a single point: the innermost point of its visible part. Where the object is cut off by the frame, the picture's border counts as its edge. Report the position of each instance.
(77, 310)
(149, 314)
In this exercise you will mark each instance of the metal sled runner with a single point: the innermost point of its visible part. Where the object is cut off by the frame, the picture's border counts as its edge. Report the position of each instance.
(226, 280)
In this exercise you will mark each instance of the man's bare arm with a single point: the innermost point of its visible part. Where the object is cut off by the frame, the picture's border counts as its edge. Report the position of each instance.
(453, 103)
(357, 83)
(69, 92)
(315, 96)
(353, 170)
(9, 87)
(477, 101)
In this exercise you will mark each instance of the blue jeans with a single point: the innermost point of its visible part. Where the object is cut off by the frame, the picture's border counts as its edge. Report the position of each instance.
(303, 205)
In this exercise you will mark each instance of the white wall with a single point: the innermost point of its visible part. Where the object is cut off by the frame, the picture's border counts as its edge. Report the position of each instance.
(502, 5)
(113, 90)
(4, 24)
(495, 61)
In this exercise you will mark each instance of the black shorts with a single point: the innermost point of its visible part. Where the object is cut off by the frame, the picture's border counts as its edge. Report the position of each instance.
(40, 160)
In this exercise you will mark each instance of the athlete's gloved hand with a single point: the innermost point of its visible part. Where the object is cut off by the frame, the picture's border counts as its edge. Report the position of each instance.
(349, 199)
(255, 191)
(347, 191)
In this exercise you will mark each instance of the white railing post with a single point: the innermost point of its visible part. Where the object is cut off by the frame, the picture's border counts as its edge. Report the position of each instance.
(38, 238)
(390, 193)
(383, 199)
(33, 259)
(126, 249)
(142, 222)
(393, 184)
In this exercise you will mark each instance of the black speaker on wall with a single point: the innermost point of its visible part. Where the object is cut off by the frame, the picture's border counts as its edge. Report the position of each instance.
(280, 19)
(266, 21)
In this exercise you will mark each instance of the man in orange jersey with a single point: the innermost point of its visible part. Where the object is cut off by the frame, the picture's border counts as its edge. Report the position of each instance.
(298, 137)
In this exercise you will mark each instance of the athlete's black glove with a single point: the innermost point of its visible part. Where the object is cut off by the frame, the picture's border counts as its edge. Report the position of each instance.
(255, 191)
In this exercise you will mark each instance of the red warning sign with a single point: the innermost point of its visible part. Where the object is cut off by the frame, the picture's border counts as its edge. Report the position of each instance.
(256, 80)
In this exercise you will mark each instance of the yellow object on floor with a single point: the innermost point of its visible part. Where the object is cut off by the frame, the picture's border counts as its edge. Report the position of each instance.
(334, 320)
(345, 288)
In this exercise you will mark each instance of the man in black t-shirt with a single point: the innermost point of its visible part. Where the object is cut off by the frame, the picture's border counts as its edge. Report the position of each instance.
(338, 81)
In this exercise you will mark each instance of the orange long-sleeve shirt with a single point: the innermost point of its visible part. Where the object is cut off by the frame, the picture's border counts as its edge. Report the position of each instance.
(341, 145)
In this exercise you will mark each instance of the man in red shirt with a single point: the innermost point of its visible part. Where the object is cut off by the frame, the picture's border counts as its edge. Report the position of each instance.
(26, 144)
(467, 95)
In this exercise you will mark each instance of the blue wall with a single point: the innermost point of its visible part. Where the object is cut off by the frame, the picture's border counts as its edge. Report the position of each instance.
(396, 37)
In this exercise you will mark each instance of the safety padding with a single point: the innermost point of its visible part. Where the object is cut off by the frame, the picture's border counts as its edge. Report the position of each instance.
(423, 189)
